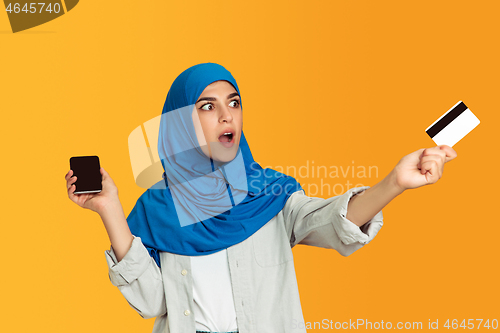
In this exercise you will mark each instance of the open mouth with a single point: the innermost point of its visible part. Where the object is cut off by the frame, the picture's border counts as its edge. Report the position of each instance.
(226, 137)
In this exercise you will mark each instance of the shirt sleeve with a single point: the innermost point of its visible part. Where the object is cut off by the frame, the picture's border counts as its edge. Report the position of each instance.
(139, 279)
(323, 223)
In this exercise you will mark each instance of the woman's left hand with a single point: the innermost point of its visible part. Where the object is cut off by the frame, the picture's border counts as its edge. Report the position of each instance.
(422, 167)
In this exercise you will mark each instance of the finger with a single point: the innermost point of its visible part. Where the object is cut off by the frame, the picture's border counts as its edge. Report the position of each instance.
(421, 151)
(439, 163)
(438, 151)
(430, 167)
(71, 182)
(433, 173)
(424, 167)
(433, 170)
(68, 175)
(106, 177)
(72, 189)
(437, 158)
(434, 151)
(450, 152)
(104, 173)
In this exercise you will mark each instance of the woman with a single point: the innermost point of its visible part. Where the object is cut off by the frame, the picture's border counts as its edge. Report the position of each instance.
(208, 248)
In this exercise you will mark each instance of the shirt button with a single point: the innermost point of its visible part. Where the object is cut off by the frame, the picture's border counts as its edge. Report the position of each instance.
(184, 272)
(187, 312)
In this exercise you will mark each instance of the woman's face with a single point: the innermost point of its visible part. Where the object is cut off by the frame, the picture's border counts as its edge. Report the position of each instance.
(218, 121)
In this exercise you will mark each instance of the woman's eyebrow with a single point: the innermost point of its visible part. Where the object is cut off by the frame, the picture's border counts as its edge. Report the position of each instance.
(214, 99)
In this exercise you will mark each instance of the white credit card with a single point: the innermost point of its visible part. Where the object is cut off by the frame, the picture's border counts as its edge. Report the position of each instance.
(452, 126)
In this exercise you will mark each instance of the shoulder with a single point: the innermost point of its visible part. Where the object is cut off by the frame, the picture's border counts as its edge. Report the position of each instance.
(296, 198)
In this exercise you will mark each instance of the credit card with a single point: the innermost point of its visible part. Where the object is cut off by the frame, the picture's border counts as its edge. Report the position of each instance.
(452, 126)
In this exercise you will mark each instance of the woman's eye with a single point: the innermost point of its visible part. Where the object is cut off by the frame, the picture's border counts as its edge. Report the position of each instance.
(236, 103)
(205, 107)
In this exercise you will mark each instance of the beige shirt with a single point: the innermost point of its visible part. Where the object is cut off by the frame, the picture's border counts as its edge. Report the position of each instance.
(265, 291)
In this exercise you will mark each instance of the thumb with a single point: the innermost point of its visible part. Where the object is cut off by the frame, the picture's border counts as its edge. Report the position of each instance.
(104, 174)
(450, 152)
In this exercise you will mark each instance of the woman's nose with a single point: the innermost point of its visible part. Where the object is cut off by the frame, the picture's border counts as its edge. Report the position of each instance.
(226, 115)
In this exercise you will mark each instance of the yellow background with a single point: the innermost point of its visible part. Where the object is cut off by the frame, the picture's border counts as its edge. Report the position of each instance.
(324, 81)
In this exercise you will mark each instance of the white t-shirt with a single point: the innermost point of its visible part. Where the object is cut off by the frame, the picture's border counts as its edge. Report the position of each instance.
(212, 293)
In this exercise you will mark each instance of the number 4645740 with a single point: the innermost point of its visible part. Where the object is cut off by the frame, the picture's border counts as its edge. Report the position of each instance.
(16, 8)
(470, 324)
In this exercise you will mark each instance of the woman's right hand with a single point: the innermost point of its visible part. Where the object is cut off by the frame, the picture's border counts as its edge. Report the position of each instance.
(93, 201)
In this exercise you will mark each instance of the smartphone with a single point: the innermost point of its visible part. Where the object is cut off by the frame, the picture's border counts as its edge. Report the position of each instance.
(88, 172)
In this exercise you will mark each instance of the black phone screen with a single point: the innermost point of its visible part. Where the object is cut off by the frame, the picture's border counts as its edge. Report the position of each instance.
(88, 172)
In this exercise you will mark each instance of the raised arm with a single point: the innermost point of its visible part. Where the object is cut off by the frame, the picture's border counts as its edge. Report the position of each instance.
(422, 167)
(131, 268)
(322, 222)
(139, 280)
(107, 204)
(114, 221)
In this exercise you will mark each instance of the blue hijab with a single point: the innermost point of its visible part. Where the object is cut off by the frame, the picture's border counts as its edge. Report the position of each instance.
(202, 206)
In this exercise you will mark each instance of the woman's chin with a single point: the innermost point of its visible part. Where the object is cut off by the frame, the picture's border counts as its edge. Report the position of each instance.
(222, 153)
